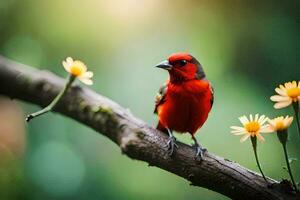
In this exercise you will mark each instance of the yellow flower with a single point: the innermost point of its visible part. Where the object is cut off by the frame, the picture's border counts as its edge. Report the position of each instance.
(288, 93)
(280, 123)
(79, 70)
(251, 127)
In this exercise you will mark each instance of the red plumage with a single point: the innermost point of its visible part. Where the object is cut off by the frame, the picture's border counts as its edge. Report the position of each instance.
(186, 106)
(184, 102)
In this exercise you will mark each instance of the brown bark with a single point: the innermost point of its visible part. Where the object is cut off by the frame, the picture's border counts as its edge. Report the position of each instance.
(135, 138)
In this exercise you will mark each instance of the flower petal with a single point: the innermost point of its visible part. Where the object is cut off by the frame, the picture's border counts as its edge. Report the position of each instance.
(238, 128)
(280, 92)
(66, 66)
(260, 138)
(244, 138)
(282, 104)
(244, 120)
(81, 65)
(256, 117)
(282, 88)
(272, 122)
(86, 81)
(261, 118)
(264, 121)
(288, 121)
(266, 129)
(251, 118)
(239, 133)
(87, 74)
(69, 60)
(279, 98)
(288, 85)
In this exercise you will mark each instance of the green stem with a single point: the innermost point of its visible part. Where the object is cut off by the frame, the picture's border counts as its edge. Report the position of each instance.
(296, 110)
(257, 162)
(50, 107)
(288, 166)
(254, 145)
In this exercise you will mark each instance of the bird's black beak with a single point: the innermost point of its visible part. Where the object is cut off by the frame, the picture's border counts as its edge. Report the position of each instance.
(164, 65)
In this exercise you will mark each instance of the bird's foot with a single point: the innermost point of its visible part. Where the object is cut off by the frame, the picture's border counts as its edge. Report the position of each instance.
(199, 152)
(171, 145)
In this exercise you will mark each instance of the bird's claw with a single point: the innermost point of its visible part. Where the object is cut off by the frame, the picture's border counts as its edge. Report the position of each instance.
(199, 152)
(171, 145)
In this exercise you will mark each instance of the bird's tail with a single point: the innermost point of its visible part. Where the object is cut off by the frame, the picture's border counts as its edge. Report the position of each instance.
(161, 128)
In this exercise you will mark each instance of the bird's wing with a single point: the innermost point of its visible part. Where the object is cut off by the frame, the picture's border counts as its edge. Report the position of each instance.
(160, 97)
(212, 95)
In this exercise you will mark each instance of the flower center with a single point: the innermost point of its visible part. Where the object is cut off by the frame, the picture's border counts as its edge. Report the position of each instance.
(293, 92)
(76, 70)
(252, 127)
(280, 126)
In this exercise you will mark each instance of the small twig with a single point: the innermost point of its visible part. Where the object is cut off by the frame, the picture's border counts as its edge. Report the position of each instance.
(55, 101)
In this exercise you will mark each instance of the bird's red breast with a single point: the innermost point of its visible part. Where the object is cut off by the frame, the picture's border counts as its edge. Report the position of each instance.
(186, 99)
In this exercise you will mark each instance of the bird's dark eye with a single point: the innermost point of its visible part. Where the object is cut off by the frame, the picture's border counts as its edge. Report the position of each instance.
(182, 62)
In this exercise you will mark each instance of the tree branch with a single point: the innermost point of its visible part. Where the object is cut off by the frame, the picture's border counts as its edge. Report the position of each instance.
(135, 138)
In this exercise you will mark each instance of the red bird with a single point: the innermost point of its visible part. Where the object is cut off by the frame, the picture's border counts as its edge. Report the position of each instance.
(184, 101)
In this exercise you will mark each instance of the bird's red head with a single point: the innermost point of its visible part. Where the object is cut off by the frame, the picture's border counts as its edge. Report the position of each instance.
(182, 67)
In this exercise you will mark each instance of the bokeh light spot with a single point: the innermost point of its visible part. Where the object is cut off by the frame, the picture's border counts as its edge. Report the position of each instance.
(57, 169)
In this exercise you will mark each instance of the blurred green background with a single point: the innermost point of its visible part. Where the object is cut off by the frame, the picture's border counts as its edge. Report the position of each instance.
(246, 47)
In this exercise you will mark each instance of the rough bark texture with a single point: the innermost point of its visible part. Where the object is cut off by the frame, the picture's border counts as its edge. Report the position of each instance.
(135, 138)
